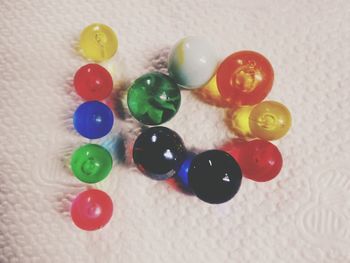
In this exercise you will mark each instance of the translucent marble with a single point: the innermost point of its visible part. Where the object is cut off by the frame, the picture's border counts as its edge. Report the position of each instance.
(91, 163)
(269, 120)
(98, 42)
(93, 119)
(238, 121)
(91, 209)
(210, 94)
(93, 82)
(182, 173)
(262, 161)
(259, 160)
(153, 98)
(245, 78)
(235, 148)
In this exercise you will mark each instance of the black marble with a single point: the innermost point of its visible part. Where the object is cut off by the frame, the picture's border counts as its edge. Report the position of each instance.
(214, 176)
(159, 152)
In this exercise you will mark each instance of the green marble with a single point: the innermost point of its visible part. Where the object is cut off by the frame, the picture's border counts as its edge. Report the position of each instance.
(91, 163)
(154, 98)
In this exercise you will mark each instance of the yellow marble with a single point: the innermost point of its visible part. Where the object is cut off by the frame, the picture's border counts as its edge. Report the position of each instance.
(98, 42)
(269, 120)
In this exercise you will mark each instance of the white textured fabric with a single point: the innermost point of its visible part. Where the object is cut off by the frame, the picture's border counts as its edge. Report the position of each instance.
(301, 216)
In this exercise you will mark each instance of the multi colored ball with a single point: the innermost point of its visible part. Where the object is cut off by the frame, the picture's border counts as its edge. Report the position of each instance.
(153, 98)
(192, 62)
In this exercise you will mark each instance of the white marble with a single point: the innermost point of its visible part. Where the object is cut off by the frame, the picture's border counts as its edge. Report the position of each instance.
(192, 62)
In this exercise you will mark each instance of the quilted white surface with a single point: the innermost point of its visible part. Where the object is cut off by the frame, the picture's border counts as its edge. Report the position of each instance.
(302, 216)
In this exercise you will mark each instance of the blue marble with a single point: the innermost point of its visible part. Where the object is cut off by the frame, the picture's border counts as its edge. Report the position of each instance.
(93, 119)
(182, 174)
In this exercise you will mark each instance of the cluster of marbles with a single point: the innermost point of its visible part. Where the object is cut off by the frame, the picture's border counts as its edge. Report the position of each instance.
(268, 120)
(93, 119)
(239, 83)
(214, 175)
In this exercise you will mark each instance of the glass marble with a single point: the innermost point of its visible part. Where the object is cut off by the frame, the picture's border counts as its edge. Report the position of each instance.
(98, 42)
(154, 98)
(93, 119)
(245, 78)
(158, 152)
(91, 209)
(210, 94)
(262, 160)
(214, 176)
(93, 82)
(182, 173)
(91, 163)
(238, 121)
(235, 148)
(269, 120)
(192, 62)
(259, 160)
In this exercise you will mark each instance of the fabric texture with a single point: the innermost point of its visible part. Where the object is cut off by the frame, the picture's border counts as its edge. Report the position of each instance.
(301, 216)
